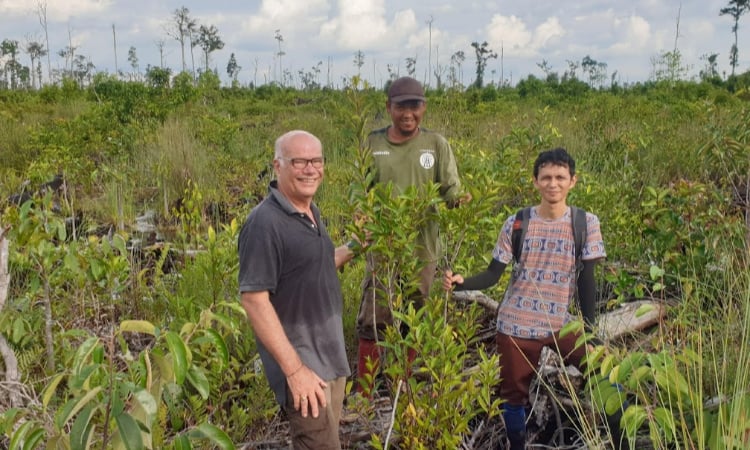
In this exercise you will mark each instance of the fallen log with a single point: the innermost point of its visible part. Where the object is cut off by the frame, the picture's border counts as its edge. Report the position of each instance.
(627, 319)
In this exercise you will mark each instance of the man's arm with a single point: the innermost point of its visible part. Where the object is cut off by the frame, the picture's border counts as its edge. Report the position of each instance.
(304, 384)
(483, 280)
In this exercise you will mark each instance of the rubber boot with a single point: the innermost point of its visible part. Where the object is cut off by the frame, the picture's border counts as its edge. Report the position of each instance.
(619, 440)
(515, 426)
(517, 440)
(368, 361)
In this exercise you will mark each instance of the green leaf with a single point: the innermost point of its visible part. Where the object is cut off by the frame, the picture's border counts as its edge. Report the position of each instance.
(639, 375)
(78, 381)
(19, 329)
(71, 262)
(51, 389)
(80, 432)
(182, 442)
(656, 272)
(72, 407)
(83, 352)
(129, 432)
(199, 381)
(19, 436)
(138, 326)
(35, 439)
(179, 356)
(614, 403)
(219, 343)
(214, 434)
(148, 404)
(633, 418)
(608, 364)
(571, 327)
(666, 422)
(97, 269)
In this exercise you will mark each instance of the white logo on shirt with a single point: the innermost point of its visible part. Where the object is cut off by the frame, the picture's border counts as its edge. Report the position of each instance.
(427, 160)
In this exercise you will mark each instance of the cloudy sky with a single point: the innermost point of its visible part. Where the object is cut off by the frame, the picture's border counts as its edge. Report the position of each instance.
(626, 35)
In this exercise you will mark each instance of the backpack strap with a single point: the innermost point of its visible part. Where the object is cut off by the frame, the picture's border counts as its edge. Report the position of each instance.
(520, 225)
(578, 218)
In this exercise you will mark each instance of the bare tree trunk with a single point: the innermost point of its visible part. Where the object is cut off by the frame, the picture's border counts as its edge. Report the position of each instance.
(41, 9)
(114, 40)
(9, 357)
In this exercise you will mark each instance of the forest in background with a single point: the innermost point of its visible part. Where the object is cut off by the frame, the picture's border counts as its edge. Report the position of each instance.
(131, 337)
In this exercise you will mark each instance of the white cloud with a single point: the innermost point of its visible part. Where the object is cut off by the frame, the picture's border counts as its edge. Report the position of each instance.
(292, 17)
(547, 33)
(362, 25)
(634, 36)
(512, 35)
(57, 10)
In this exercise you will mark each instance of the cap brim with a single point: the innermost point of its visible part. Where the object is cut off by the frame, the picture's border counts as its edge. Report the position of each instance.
(406, 98)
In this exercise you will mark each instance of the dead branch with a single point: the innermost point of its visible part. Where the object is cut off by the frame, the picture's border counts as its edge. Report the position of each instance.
(9, 357)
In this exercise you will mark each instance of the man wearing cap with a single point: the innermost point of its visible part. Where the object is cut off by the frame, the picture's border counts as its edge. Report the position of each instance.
(406, 155)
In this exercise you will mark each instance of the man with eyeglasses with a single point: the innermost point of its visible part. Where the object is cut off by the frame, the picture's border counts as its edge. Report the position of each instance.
(292, 296)
(406, 155)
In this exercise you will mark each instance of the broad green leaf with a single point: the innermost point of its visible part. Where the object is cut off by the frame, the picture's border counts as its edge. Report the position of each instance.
(199, 381)
(8, 419)
(72, 407)
(19, 436)
(182, 442)
(35, 439)
(119, 243)
(665, 420)
(80, 432)
(51, 389)
(656, 272)
(614, 402)
(129, 432)
(187, 329)
(638, 376)
(71, 262)
(179, 355)
(633, 418)
(79, 380)
(83, 353)
(98, 356)
(571, 327)
(148, 404)
(219, 343)
(607, 364)
(19, 329)
(138, 326)
(214, 434)
(97, 269)
(591, 358)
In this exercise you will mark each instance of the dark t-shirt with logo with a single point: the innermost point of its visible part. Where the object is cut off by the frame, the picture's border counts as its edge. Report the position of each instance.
(427, 158)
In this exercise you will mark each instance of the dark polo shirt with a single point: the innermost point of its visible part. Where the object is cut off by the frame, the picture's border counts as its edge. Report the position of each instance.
(283, 252)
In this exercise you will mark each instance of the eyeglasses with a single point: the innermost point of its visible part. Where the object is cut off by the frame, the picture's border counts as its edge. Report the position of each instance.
(301, 163)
